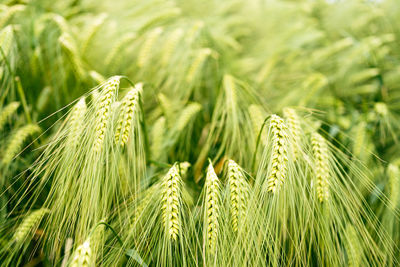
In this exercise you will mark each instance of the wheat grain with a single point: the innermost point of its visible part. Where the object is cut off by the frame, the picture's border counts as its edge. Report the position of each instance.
(29, 223)
(238, 192)
(171, 196)
(212, 207)
(77, 122)
(6, 112)
(279, 153)
(353, 247)
(145, 51)
(130, 108)
(17, 139)
(394, 185)
(320, 150)
(187, 115)
(294, 127)
(103, 112)
(83, 256)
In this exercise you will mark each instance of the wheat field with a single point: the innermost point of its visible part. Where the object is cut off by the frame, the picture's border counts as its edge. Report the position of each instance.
(199, 133)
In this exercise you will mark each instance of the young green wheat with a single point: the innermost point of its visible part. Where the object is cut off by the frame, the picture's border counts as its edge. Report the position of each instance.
(212, 207)
(172, 201)
(103, 112)
(130, 107)
(29, 223)
(279, 154)
(320, 150)
(238, 192)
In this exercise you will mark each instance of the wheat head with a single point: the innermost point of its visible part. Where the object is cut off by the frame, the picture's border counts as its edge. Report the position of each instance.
(29, 223)
(238, 192)
(320, 151)
(294, 127)
(77, 122)
(103, 111)
(279, 153)
(17, 139)
(212, 202)
(171, 202)
(83, 256)
(6, 112)
(130, 107)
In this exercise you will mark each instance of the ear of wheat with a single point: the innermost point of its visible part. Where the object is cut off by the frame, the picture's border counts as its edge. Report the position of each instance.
(83, 256)
(145, 51)
(116, 56)
(69, 47)
(257, 119)
(17, 139)
(183, 168)
(157, 138)
(212, 205)
(187, 114)
(6, 112)
(320, 151)
(171, 202)
(353, 247)
(130, 107)
(359, 139)
(394, 185)
(77, 122)
(29, 223)
(170, 45)
(279, 154)
(103, 112)
(197, 63)
(167, 107)
(6, 39)
(238, 192)
(294, 127)
(9, 13)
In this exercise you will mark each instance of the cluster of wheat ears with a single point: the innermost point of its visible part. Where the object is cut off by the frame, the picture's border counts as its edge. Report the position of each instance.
(232, 133)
